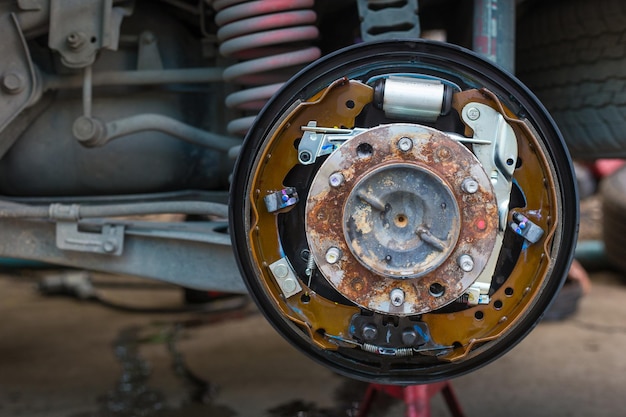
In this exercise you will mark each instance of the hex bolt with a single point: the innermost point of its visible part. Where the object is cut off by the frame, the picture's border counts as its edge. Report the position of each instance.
(332, 255)
(369, 332)
(397, 297)
(473, 113)
(13, 83)
(466, 262)
(405, 144)
(336, 179)
(469, 185)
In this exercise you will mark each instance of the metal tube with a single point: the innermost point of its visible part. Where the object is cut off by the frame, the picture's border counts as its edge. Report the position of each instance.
(494, 31)
(9, 210)
(141, 77)
(157, 122)
(87, 83)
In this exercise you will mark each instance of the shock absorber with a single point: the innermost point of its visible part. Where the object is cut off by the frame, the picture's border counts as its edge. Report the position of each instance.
(267, 39)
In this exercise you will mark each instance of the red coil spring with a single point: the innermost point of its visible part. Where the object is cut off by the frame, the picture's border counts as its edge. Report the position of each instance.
(269, 38)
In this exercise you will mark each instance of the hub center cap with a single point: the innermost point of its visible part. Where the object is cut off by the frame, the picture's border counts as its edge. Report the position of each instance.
(400, 220)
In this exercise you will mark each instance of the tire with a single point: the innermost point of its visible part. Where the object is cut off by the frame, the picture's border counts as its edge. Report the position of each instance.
(572, 54)
(613, 222)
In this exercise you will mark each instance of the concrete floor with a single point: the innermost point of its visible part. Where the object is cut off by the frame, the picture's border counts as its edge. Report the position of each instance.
(69, 358)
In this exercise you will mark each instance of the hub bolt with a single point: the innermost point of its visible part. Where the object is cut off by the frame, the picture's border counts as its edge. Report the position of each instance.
(336, 179)
(466, 262)
(469, 185)
(332, 255)
(473, 113)
(397, 297)
(405, 144)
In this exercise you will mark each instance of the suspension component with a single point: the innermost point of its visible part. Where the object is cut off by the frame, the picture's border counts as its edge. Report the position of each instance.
(265, 37)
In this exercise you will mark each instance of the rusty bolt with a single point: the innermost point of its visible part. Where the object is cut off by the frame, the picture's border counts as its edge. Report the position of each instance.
(473, 113)
(13, 83)
(469, 185)
(397, 297)
(466, 262)
(332, 255)
(405, 144)
(336, 179)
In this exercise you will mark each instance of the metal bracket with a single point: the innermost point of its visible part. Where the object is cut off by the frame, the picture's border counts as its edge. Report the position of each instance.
(80, 28)
(318, 141)
(285, 277)
(110, 241)
(498, 158)
(18, 81)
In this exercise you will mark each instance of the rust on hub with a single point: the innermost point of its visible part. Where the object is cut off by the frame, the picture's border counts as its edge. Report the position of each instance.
(401, 219)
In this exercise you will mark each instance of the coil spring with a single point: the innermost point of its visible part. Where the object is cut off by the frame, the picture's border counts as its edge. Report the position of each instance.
(266, 37)
(399, 352)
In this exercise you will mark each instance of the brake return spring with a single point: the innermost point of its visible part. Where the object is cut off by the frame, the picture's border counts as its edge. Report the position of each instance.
(266, 37)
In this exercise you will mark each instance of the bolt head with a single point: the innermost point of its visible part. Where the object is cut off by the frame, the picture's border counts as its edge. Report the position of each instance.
(397, 297)
(13, 83)
(473, 113)
(409, 337)
(75, 40)
(369, 332)
(332, 255)
(469, 185)
(466, 263)
(109, 246)
(336, 179)
(405, 144)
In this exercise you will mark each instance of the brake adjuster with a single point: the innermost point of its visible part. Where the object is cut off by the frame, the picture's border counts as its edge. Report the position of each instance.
(399, 211)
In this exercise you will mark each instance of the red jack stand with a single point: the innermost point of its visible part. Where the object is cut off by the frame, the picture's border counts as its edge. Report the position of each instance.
(416, 397)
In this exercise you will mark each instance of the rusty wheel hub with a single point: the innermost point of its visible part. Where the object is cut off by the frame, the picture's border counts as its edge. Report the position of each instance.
(391, 218)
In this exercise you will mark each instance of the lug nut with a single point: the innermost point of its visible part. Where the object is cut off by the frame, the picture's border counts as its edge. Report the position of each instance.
(466, 262)
(469, 185)
(473, 113)
(405, 144)
(336, 179)
(332, 255)
(397, 297)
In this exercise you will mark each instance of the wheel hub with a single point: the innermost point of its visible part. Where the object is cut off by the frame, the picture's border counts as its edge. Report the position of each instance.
(390, 218)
